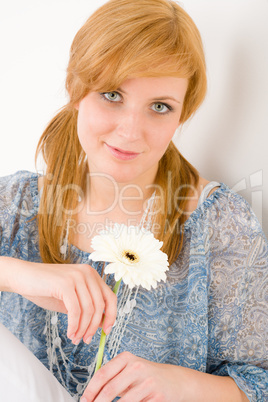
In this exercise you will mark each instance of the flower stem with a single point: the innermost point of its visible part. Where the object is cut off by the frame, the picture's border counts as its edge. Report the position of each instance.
(101, 350)
(116, 286)
(103, 335)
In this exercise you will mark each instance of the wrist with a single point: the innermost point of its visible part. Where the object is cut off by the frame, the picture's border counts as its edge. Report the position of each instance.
(204, 387)
(4, 274)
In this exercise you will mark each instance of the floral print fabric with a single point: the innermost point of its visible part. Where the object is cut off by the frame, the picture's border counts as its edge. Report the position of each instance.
(211, 314)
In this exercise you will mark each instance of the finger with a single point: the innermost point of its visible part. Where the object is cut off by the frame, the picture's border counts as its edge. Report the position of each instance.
(110, 301)
(72, 305)
(139, 392)
(98, 304)
(118, 385)
(104, 375)
(101, 321)
(87, 311)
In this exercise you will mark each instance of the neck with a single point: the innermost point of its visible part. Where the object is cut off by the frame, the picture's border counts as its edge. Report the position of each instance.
(105, 194)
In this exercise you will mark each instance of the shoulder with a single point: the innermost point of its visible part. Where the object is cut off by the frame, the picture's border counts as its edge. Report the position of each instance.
(17, 179)
(231, 204)
(226, 227)
(19, 204)
(228, 215)
(19, 189)
(224, 212)
(195, 194)
(224, 199)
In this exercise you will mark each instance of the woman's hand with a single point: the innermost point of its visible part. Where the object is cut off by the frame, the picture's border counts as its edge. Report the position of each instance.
(135, 379)
(74, 289)
(138, 380)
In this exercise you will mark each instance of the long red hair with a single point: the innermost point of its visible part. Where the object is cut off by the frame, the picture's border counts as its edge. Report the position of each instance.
(122, 39)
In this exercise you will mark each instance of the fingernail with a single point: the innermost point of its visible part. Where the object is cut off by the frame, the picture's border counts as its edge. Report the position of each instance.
(83, 399)
(89, 339)
(76, 341)
(71, 336)
(108, 330)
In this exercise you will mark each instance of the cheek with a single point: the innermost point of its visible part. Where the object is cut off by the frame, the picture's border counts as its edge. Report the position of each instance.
(91, 126)
(160, 139)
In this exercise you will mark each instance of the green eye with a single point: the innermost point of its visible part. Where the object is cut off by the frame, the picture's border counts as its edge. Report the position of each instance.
(160, 107)
(112, 96)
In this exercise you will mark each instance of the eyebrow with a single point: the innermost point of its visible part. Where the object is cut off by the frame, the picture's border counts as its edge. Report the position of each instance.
(165, 98)
(161, 98)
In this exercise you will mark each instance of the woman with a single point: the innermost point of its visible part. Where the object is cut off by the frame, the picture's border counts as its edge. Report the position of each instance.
(136, 72)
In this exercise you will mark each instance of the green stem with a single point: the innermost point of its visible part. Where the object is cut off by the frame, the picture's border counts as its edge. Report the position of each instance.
(101, 350)
(116, 286)
(103, 335)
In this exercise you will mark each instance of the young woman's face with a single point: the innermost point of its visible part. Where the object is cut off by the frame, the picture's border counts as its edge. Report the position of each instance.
(125, 133)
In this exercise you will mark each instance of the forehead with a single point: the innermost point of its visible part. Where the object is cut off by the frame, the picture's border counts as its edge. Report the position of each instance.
(149, 85)
(114, 76)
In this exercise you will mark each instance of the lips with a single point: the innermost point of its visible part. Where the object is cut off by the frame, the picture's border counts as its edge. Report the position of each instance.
(121, 153)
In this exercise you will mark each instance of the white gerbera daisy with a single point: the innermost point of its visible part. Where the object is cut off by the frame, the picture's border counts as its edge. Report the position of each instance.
(134, 255)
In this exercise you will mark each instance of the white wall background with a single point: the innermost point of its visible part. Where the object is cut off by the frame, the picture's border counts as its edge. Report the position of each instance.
(226, 140)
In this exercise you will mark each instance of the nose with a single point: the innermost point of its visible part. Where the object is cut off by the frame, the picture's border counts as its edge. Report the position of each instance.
(131, 126)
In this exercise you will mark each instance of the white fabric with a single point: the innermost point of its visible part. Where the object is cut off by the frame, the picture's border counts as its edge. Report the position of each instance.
(23, 377)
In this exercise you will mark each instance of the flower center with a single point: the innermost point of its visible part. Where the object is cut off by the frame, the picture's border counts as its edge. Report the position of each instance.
(130, 256)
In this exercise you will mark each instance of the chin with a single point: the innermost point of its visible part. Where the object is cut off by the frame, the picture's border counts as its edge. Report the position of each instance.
(124, 178)
(127, 173)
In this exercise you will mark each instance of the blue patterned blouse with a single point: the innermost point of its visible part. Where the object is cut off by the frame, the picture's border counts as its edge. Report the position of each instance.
(210, 315)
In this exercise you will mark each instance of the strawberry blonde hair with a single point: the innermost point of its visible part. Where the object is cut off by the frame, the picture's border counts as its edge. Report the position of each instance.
(122, 39)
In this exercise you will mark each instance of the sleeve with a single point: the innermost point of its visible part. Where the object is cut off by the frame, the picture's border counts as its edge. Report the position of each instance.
(18, 205)
(238, 296)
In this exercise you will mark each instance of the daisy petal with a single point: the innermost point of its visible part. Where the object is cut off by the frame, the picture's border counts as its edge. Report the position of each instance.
(134, 255)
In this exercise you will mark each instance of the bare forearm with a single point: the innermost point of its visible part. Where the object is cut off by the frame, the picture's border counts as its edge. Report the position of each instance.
(65, 288)
(212, 388)
(6, 264)
(12, 273)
